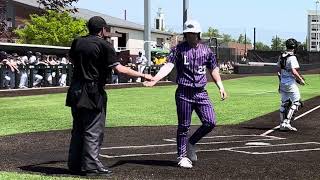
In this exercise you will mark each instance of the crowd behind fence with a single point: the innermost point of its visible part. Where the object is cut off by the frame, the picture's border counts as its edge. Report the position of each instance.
(33, 70)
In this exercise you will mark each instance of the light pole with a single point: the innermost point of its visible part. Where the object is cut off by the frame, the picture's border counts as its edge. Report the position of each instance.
(147, 29)
(185, 12)
(317, 24)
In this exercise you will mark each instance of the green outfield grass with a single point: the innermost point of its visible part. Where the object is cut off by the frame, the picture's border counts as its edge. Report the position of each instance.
(248, 98)
(20, 176)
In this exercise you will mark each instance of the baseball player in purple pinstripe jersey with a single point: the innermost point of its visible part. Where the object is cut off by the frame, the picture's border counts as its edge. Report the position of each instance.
(192, 59)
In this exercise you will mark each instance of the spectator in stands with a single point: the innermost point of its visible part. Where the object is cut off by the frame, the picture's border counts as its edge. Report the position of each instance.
(141, 61)
(39, 71)
(130, 61)
(3, 55)
(230, 67)
(50, 74)
(9, 70)
(63, 77)
(23, 63)
(115, 77)
(244, 59)
(6, 70)
(13, 65)
(132, 66)
(14, 68)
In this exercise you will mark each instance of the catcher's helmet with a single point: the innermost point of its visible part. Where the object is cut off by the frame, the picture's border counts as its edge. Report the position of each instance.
(291, 43)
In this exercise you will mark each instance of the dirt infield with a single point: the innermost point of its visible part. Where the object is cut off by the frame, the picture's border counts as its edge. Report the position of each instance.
(149, 152)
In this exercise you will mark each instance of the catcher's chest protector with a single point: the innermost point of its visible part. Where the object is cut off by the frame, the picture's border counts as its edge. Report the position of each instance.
(283, 61)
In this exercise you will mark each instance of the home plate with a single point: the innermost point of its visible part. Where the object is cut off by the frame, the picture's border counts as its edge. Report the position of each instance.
(257, 144)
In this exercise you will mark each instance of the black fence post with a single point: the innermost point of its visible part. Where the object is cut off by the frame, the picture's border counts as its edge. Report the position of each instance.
(1, 77)
(31, 69)
(58, 74)
(47, 73)
(16, 79)
(45, 69)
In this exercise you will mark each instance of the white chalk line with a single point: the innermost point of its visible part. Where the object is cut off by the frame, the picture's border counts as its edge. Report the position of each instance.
(298, 117)
(234, 149)
(266, 138)
(269, 138)
(216, 137)
(231, 149)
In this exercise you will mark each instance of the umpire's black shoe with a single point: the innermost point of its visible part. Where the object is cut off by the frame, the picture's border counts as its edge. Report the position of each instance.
(98, 172)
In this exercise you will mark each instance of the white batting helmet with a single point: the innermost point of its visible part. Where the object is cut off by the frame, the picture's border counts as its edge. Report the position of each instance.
(192, 26)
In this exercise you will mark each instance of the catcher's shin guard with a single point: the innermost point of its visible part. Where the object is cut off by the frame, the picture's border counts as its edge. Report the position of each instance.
(284, 110)
(292, 110)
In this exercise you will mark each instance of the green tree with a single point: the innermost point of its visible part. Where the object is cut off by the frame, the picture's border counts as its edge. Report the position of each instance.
(304, 45)
(242, 39)
(58, 5)
(52, 28)
(227, 38)
(277, 44)
(260, 46)
(211, 33)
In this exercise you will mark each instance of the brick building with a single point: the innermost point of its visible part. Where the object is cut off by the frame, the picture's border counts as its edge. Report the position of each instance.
(127, 36)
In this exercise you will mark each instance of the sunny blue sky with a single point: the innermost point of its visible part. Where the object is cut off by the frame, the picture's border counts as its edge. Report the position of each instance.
(285, 18)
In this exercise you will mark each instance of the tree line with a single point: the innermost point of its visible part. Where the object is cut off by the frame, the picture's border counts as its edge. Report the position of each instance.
(55, 26)
(277, 43)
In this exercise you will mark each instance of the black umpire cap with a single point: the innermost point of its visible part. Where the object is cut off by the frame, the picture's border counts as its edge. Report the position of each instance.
(95, 24)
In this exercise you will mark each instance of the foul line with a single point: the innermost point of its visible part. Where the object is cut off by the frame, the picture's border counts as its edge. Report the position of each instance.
(216, 137)
(231, 149)
(277, 127)
(204, 143)
(265, 138)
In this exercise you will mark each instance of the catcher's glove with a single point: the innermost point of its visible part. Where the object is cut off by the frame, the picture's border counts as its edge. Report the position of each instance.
(301, 82)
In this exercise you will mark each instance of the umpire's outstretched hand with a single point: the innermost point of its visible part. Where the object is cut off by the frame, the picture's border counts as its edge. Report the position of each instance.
(150, 83)
(148, 77)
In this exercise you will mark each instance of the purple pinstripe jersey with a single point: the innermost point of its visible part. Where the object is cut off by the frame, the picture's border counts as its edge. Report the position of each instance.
(192, 63)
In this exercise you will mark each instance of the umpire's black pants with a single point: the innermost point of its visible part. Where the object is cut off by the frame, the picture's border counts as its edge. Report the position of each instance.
(86, 139)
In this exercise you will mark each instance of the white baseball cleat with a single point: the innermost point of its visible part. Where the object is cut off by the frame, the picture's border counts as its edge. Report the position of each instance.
(291, 128)
(191, 152)
(283, 127)
(184, 162)
(287, 127)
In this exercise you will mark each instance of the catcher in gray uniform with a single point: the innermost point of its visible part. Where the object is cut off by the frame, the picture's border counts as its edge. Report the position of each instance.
(289, 78)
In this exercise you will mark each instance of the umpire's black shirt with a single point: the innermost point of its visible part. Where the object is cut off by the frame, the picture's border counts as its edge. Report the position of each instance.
(92, 58)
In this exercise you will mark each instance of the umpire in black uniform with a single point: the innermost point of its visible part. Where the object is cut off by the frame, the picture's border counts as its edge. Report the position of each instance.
(93, 59)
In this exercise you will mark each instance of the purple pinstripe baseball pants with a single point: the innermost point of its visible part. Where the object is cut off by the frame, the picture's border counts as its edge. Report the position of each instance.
(187, 100)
